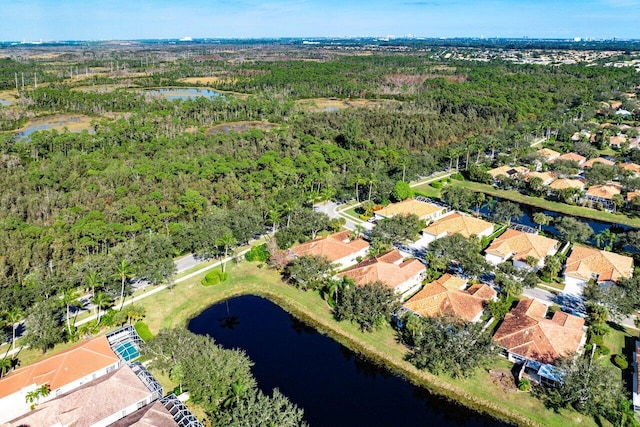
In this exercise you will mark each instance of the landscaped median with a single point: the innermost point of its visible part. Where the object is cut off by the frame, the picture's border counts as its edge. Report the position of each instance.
(186, 300)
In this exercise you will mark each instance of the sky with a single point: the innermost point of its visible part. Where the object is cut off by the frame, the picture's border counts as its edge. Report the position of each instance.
(50, 20)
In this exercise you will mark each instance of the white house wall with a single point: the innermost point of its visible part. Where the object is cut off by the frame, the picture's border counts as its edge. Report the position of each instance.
(573, 285)
(494, 259)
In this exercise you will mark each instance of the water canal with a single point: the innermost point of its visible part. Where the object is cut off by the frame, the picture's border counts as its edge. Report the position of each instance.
(183, 94)
(333, 385)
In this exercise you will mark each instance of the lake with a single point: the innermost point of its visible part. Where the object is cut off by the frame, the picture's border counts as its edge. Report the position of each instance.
(5, 102)
(44, 126)
(184, 93)
(333, 385)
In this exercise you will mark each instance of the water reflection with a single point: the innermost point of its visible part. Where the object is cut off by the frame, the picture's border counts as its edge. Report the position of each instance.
(333, 385)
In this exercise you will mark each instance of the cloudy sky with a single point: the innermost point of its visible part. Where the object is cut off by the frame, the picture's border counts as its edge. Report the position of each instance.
(32, 20)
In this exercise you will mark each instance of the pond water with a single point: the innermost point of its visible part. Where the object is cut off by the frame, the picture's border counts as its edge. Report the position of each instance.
(333, 385)
(529, 211)
(184, 93)
(5, 102)
(44, 126)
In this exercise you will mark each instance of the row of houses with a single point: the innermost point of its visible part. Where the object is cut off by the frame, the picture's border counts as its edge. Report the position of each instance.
(595, 194)
(93, 383)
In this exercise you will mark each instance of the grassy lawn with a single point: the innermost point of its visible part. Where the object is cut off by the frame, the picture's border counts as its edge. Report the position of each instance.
(427, 190)
(176, 307)
(549, 205)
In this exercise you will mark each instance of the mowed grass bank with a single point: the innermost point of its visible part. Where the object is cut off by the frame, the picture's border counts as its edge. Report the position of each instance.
(186, 300)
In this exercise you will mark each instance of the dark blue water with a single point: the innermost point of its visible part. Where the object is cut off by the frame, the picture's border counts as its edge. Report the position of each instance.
(333, 385)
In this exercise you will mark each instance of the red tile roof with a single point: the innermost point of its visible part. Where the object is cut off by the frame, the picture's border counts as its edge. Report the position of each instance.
(444, 296)
(386, 268)
(333, 247)
(585, 262)
(525, 331)
(62, 368)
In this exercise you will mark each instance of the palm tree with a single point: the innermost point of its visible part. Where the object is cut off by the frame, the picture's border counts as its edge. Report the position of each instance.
(101, 300)
(69, 298)
(541, 219)
(226, 241)
(5, 366)
(608, 236)
(93, 281)
(479, 199)
(33, 397)
(124, 271)
(14, 316)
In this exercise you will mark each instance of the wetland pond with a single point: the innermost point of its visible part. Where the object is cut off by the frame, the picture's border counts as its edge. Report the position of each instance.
(183, 94)
(333, 385)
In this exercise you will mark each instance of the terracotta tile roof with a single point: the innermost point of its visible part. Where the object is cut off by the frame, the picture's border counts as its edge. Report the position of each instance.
(408, 207)
(617, 140)
(521, 245)
(631, 167)
(574, 157)
(632, 195)
(86, 405)
(548, 153)
(603, 191)
(590, 163)
(385, 269)
(526, 331)
(458, 223)
(585, 262)
(334, 246)
(445, 296)
(564, 183)
(154, 415)
(546, 177)
(508, 171)
(62, 368)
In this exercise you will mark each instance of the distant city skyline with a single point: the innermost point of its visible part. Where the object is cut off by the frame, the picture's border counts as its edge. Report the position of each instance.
(51, 20)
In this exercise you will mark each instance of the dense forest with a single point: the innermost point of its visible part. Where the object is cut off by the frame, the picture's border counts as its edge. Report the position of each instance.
(152, 178)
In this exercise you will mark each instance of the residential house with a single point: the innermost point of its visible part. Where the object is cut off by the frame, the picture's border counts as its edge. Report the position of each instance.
(591, 162)
(632, 195)
(632, 168)
(583, 134)
(154, 415)
(508, 171)
(527, 334)
(457, 222)
(617, 140)
(403, 276)
(573, 157)
(585, 264)
(603, 194)
(520, 246)
(546, 177)
(423, 210)
(339, 248)
(99, 402)
(448, 296)
(62, 372)
(565, 183)
(549, 154)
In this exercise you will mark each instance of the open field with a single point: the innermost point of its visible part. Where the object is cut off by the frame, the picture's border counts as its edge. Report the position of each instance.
(186, 300)
(318, 105)
(200, 80)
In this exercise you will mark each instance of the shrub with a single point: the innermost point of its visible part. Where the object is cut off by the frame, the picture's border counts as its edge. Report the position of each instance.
(457, 176)
(437, 184)
(620, 361)
(603, 350)
(214, 277)
(596, 339)
(108, 319)
(258, 253)
(524, 385)
(143, 330)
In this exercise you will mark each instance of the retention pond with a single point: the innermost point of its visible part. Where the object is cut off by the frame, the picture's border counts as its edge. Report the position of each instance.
(333, 385)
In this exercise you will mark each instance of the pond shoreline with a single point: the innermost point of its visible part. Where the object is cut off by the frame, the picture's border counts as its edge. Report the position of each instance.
(419, 378)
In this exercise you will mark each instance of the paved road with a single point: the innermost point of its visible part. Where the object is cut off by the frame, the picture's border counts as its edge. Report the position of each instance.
(541, 295)
(186, 262)
(154, 290)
